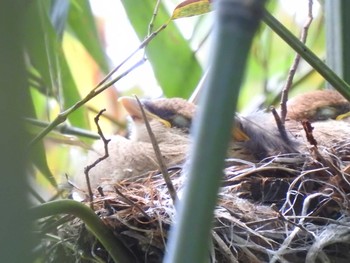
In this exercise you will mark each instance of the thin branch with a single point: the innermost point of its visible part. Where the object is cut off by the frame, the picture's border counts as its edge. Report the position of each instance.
(64, 128)
(131, 203)
(295, 65)
(117, 250)
(281, 128)
(93, 93)
(155, 12)
(105, 156)
(159, 156)
(308, 132)
(326, 72)
(103, 85)
(143, 44)
(109, 117)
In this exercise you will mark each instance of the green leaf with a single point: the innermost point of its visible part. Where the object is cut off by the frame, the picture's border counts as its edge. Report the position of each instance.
(41, 45)
(174, 63)
(82, 24)
(37, 153)
(46, 55)
(191, 8)
(71, 94)
(38, 157)
(58, 15)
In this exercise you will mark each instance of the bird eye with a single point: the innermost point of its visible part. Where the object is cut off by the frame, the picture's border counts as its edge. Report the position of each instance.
(166, 123)
(181, 122)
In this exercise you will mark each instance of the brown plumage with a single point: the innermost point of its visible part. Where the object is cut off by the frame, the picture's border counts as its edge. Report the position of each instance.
(317, 105)
(170, 120)
(134, 156)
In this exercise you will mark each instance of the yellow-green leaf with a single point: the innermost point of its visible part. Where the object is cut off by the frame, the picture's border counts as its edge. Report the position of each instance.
(191, 8)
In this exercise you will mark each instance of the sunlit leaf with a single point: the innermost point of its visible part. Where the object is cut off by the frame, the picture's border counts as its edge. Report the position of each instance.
(82, 24)
(174, 63)
(191, 8)
(46, 55)
(41, 45)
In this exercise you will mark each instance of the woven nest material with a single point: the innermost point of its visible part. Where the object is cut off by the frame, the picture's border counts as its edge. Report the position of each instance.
(290, 208)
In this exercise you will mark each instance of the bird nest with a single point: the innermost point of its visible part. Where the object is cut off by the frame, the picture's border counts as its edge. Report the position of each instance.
(288, 208)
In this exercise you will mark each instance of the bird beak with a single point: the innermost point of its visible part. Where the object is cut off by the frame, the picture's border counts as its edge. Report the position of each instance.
(239, 135)
(133, 108)
(131, 105)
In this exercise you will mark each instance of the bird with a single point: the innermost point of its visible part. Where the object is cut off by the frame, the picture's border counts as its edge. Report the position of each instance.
(170, 121)
(317, 105)
(321, 108)
(255, 136)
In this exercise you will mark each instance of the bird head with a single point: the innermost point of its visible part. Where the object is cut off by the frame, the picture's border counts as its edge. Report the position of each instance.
(317, 105)
(170, 119)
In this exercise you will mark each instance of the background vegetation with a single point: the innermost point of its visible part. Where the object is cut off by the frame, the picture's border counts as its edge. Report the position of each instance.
(65, 60)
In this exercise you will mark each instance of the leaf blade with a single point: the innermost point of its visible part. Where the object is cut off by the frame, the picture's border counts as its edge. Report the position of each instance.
(174, 63)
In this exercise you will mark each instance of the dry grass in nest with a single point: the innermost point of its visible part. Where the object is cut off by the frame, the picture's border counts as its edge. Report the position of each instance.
(291, 208)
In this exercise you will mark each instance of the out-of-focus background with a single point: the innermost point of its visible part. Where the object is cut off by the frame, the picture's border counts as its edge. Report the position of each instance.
(78, 42)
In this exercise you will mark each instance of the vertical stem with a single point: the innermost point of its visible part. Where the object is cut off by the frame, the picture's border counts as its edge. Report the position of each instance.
(16, 239)
(338, 37)
(236, 23)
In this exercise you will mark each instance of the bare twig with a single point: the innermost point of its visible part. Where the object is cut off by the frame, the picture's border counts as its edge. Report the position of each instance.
(105, 156)
(225, 249)
(131, 203)
(62, 117)
(295, 65)
(103, 85)
(155, 12)
(159, 156)
(283, 218)
(280, 125)
(63, 128)
(106, 203)
(120, 124)
(308, 132)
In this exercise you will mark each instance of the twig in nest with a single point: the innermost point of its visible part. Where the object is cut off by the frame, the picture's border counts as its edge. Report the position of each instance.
(131, 203)
(106, 203)
(224, 248)
(308, 131)
(159, 157)
(280, 125)
(283, 218)
(295, 65)
(106, 155)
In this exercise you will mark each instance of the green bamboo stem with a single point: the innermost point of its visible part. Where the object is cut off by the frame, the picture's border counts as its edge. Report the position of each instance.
(102, 86)
(236, 24)
(16, 239)
(64, 129)
(337, 22)
(62, 117)
(338, 83)
(115, 248)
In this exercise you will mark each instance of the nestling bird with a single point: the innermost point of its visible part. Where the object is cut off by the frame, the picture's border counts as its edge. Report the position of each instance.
(317, 105)
(255, 136)
(170, 121)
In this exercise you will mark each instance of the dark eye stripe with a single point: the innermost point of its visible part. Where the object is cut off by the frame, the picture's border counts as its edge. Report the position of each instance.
(172, 112)
(180, 122)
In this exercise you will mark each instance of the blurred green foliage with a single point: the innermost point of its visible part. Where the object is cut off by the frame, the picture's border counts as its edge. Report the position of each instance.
(59, 31)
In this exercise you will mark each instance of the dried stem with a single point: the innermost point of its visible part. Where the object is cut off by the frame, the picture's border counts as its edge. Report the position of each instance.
(295, 65)
(103, 85)
(280, 125)
(131, 203)
(159, 156)
(105, 156)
